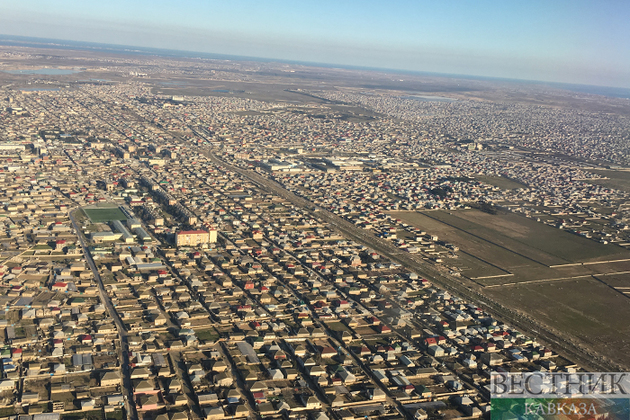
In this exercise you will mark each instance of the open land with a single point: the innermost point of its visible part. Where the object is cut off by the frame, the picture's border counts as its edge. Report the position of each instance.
(501, 182)
(550, 280)
(616, 179)
(585, 308)
(512, 242)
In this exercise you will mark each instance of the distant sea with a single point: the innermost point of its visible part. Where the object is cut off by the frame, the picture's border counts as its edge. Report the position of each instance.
(22, 41)
(595, 90)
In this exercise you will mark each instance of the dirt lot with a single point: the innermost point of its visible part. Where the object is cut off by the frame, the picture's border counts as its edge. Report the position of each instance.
(495, 245)
(619, 180)
(585, 308)
(579, 300)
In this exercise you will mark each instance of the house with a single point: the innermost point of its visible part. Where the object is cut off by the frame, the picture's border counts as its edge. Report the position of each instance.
(117, 399)
(223, 380)
(214, 413)
(140, 373)
(233, 396)
(377, 394)
(346, 376)
(423, 391)
(30, 397)
(159, 320)
(241, 411)
(311, 402)
(144, 387)
(59, 287)
(258, 386)
(436, 351)
(7, 385)
(266, 409)
(430, 341)
(85, 339)
(174, 386)
(492, 359)
(219, 366)
(317, 371)
(148, 402)
(420, 414)
(275, 374)
(208, 398)
(328, 352)
(88, 405)
(406, 361)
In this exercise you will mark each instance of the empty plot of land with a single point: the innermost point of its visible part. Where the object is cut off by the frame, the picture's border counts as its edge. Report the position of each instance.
(471, 239)
(101, 215)
(494, 246)
(519, 235)
(621, 282)
(474, 268)
(619, 180)
(584, 308)
(531, 239)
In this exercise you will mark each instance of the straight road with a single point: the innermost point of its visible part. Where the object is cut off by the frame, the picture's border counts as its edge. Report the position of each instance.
(132, 414)
(580, 355)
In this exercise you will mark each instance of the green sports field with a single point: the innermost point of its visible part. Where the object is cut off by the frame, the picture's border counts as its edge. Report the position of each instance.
(101, 215)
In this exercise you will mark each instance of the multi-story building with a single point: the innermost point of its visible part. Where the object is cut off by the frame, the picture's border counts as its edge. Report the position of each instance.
(195, 237)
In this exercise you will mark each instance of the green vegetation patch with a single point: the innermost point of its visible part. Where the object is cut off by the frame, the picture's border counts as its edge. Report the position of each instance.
(207, 335)
(105, 214)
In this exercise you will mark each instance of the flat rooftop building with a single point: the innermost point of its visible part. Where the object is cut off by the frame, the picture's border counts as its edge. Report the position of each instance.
(195, 237)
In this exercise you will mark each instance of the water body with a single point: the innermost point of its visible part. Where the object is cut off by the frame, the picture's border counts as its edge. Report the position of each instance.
(41, 90)
(122, 49)
(594, 90)
(428, 98)
(48, 72)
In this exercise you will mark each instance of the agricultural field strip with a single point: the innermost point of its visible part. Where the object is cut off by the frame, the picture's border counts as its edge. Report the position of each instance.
(485, 239)
(545, 239)
(464, 242)
(483, 232)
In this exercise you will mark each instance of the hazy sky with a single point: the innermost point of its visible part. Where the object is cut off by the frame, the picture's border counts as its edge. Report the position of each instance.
(552, 40)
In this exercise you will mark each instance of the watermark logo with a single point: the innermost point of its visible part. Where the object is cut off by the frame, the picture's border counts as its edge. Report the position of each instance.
(560, 395)
(560, 385)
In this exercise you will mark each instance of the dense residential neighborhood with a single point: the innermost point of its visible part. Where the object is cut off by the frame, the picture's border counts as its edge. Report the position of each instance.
(150, 268)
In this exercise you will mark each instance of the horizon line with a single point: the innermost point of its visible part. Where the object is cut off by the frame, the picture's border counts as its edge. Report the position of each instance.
(233, 57)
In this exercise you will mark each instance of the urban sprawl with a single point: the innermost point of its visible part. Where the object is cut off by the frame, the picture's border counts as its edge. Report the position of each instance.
(214, 257)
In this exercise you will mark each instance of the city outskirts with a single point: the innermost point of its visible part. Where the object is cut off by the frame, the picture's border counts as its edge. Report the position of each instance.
(203, 238)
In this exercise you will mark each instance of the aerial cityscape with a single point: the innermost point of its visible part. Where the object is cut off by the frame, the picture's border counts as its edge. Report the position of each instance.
(189, 236)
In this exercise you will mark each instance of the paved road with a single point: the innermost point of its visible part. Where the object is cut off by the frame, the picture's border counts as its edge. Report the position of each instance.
(132, 414)
(248, 398)
(587, 359)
